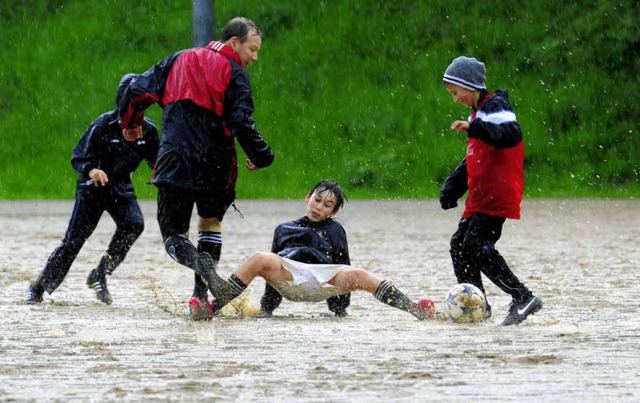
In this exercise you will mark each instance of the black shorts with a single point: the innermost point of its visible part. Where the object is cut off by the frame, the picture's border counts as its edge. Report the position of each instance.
(175, 206)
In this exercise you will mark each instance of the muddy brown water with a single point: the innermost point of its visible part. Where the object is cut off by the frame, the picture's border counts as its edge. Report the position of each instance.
(580, 256)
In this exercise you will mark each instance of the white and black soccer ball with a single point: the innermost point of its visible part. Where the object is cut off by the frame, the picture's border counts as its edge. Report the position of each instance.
(465, 304)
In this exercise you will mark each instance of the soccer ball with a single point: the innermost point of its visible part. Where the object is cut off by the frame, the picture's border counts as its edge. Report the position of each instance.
(465, 303)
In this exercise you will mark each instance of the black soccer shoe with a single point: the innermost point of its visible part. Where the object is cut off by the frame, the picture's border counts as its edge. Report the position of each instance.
(338, 304)
(34, 294)
(99, 283)
(518, 311)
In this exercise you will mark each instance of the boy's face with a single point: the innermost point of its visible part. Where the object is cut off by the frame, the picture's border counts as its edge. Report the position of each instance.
(320, 206)
(462, 95)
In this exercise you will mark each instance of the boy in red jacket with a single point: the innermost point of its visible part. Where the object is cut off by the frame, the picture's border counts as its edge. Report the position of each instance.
(493, 173)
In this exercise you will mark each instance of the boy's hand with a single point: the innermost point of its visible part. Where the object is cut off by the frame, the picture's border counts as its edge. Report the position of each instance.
(460, 125)
(99, 177)
(447, 203)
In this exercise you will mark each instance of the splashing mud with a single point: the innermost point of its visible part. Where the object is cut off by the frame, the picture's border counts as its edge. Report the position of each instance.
(581, 257)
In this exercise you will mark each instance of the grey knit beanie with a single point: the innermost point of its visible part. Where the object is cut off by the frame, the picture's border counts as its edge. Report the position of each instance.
(466, 72)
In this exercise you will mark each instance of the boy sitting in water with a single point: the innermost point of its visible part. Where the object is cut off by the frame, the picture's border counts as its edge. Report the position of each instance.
(310, 238)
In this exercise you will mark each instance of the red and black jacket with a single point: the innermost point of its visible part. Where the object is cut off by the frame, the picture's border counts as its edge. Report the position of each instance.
(493, 169)
(206, 99)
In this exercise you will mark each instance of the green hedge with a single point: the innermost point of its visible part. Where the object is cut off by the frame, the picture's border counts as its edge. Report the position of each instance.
(348, 89)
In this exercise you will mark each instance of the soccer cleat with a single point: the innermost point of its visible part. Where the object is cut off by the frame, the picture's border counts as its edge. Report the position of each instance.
(99, 284)
(424, 309)
(200, 308)
(518, 311)
(34, 294)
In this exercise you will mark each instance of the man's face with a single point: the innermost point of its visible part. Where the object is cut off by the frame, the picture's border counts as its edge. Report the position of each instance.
(247, 50)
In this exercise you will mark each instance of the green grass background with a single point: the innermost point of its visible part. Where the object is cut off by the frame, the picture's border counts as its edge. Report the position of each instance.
(347, 89)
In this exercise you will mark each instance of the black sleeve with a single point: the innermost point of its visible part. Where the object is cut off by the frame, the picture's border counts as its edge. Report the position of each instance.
(496, 123)
(87, 152)
(342, 247)
(144, 91)
(271, 298)
(239, 118)
(339, 304)
(455, 186)
(275, 245)
(152, 142)
(504, 135)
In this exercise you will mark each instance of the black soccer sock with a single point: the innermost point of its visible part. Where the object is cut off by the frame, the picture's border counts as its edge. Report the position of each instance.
(270, 299)
(390, 295)
(233, 288)
(107, 265)
(210, 242)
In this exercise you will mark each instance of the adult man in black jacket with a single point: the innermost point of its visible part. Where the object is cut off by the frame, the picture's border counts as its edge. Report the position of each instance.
(207, 104)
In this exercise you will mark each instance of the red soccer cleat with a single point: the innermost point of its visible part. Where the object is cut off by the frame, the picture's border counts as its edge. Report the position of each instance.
(200, 309)
(424, 309)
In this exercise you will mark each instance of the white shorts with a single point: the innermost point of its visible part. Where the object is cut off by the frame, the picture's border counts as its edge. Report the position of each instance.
(310, 281)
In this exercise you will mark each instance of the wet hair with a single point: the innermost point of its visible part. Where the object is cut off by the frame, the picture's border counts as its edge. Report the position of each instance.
(239, 27)
(331, 186)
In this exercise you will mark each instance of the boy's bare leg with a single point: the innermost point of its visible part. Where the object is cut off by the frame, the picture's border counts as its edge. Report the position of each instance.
(359, 279)
(265, 265)
(353, 279)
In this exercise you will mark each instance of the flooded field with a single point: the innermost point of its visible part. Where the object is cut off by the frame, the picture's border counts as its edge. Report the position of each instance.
(581, 257)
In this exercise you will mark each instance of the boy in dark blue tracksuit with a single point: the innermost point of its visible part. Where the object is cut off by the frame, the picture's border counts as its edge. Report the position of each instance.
(315, 238)
(306, 241)
(104, 159)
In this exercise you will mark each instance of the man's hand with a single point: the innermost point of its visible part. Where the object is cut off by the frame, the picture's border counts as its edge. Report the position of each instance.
(251, 166)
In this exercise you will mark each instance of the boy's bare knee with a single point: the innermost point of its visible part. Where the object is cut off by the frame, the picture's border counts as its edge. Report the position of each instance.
(261, 257)
(261, 261)
(356, 274)
(350, 278)
(266, 265)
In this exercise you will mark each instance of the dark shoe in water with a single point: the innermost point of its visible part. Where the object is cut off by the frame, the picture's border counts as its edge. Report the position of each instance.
(518, 311)
(99, 283)
(34, 294)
